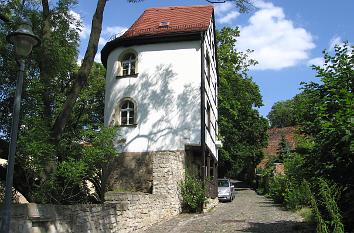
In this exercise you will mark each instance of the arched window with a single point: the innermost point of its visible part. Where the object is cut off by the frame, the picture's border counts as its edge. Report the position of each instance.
(128, 64)
(127, 113)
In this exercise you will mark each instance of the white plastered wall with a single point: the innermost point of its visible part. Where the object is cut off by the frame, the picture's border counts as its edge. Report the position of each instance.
(167, 93)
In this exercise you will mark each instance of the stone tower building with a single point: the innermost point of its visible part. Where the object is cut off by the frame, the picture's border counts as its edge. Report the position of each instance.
(161, 90)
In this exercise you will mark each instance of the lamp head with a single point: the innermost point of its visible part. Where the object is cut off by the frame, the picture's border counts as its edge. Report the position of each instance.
(23, 39)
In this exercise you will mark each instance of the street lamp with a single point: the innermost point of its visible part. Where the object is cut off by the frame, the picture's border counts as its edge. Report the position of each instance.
(23, 40)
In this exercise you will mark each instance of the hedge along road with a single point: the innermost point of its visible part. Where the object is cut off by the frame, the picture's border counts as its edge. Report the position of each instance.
(248, 212)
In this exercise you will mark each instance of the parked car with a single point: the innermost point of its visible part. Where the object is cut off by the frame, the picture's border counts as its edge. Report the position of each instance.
(226, 191)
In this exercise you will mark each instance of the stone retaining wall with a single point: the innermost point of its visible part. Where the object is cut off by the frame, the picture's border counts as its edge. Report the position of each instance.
(122, 212)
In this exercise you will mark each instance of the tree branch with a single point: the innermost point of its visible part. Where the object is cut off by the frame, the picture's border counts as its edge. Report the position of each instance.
(221, 1)
(84, 72)
(44, 65)
(4, 18)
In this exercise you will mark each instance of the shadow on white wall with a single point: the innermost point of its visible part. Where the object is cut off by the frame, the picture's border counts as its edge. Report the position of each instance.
(168, 114)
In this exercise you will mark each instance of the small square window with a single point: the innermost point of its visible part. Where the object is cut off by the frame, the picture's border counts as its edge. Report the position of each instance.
(128, 64)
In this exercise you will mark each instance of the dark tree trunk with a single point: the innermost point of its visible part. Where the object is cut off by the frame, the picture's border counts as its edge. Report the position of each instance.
(84, 72)
(44, 65)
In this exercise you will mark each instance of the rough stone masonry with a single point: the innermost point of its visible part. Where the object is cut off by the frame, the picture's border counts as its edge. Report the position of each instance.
(122, 212)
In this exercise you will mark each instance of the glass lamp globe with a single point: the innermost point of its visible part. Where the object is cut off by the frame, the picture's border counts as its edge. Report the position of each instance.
(23, 39)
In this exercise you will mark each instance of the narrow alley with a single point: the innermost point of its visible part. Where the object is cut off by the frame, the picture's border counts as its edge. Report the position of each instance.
(248, 212)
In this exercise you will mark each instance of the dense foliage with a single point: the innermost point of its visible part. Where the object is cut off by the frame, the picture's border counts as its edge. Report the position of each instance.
(282, 114)
(242, 128)
(320, 173)
(330, 117)
(283, 150)
(65, 169)
(62, 102)
(329, 122)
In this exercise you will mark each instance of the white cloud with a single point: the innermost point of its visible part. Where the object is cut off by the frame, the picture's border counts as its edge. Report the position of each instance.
(228, 17)
(76, 15)
(317, 61)
(221, 8)
(336, 40)
(84, 29)
(225, 12)
(102, 41)
(262, 4)
(115, 30)
(98, 57)
(110, 32)
(85, 32)
(276, 42)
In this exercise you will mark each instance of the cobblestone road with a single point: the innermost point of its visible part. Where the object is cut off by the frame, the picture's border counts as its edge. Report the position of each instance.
(249, 212)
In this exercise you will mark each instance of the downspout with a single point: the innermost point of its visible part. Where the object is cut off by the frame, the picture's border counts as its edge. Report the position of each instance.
(202, 106)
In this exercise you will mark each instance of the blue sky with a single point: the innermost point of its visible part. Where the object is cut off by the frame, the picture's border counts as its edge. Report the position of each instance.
(286, 35)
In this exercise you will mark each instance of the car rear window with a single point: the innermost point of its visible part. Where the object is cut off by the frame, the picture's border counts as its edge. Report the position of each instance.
(223, 183)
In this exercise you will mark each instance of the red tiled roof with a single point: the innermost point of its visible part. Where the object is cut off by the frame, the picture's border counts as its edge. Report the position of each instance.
(178, 19)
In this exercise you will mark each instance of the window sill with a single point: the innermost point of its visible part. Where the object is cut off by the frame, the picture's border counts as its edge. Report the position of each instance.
(129, 126)
(127, 76)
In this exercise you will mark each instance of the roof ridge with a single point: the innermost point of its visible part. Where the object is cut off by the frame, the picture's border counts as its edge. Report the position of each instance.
(169, 7)
(181, 18)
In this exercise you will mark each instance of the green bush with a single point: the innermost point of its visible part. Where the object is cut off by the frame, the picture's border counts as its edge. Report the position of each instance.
(286, 189)
(263, 177)
(277, 188)
(321, 223)
(193, 194)
(79, 165)
(307, 214)
(294, 167)
(324, 205)
(329, 194)
(295, 196)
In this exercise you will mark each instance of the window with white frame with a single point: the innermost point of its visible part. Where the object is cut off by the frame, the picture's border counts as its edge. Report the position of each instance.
(208, 73)
(128, 64)
(127, 113)
(208, 119)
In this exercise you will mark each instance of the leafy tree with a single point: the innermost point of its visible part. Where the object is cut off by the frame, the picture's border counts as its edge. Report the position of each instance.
(43, 162)
(43, 166)
(329, 121)
(320, 173)
(242, 128)
(283, 150)
(61, 101)
(282, 114)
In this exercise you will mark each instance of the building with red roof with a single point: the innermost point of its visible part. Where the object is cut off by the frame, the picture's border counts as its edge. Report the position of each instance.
(161, 91)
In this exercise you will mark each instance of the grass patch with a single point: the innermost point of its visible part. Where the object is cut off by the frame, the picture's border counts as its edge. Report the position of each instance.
(307, 214)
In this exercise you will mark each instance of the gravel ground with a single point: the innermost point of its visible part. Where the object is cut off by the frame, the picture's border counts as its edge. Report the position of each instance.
(249, 212)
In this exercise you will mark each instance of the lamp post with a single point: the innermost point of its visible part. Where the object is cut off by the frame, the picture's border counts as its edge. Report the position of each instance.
(23, 40)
